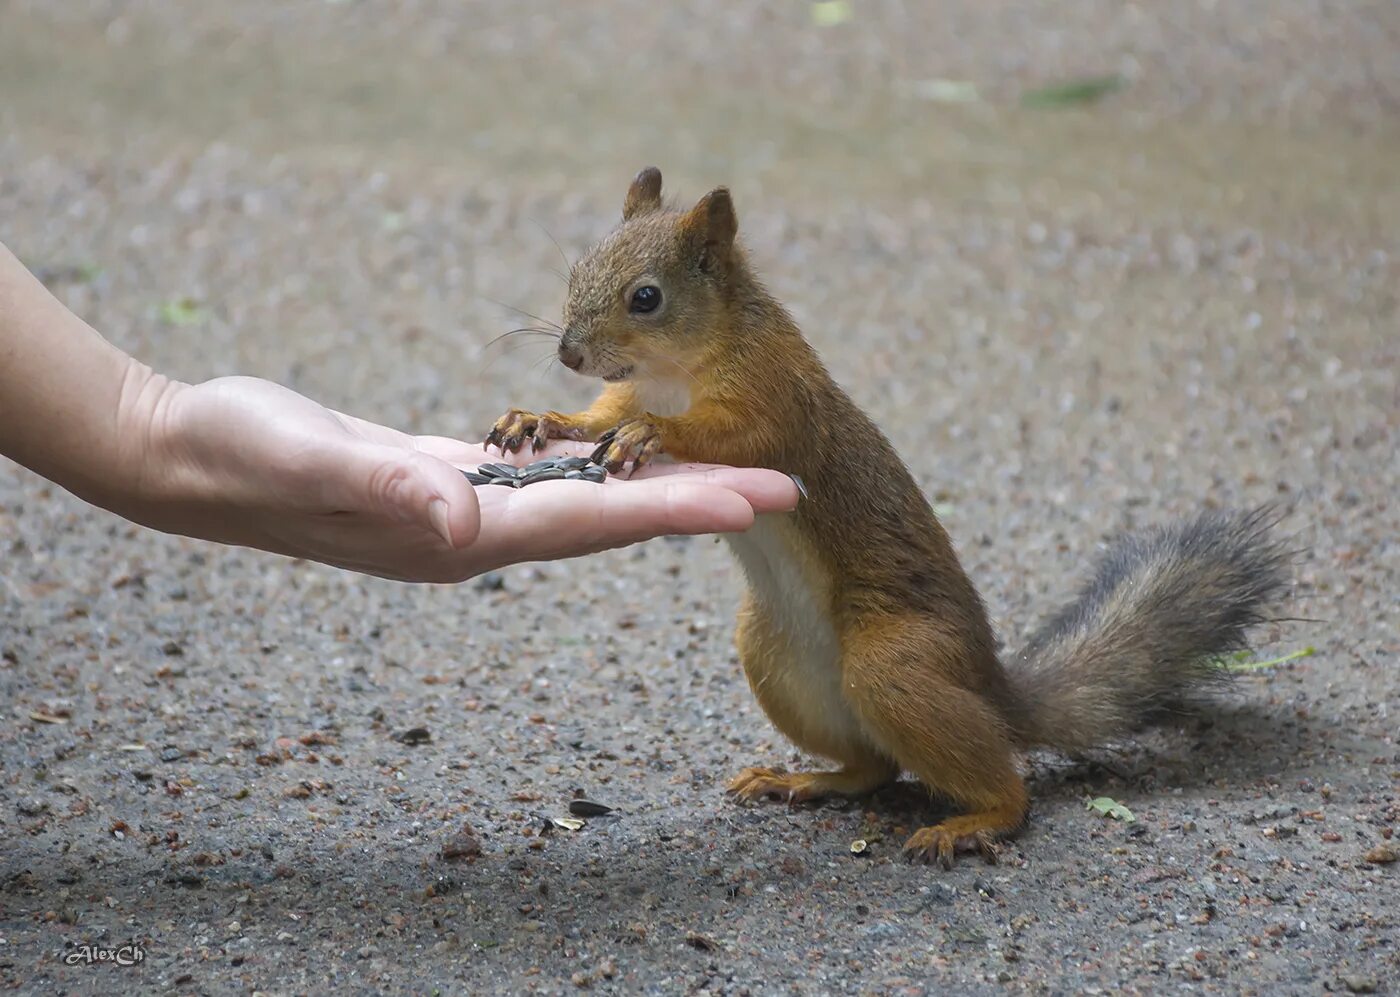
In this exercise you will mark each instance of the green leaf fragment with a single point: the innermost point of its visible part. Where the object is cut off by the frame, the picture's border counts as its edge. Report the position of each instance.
(1107, 806)
(944, 91)
(182, 311)
(1239, 662)
(1083, 91)
(829, 13)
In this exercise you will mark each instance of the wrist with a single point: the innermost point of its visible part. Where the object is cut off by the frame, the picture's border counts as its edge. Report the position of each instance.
(149, 474)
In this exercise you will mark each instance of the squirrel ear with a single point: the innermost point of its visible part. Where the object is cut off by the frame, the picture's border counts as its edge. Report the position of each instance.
(712, 224)
(644, 195)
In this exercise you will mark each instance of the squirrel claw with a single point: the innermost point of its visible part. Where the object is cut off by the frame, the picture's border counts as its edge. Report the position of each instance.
(637, 440)
(510, 430)
(513, 429)
(941, 843)
(604, 442)
(791, 787)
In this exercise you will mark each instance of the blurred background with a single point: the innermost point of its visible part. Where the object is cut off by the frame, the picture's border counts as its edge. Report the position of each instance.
(317, 190)
(1089, 263)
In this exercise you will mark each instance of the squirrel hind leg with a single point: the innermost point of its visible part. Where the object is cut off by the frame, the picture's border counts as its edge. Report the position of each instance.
(794, 787)
(953, 740)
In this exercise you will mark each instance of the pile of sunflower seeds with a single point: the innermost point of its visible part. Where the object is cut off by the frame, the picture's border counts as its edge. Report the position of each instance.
(549, 469)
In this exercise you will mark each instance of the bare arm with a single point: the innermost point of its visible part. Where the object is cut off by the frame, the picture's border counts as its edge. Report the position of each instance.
(244, 461)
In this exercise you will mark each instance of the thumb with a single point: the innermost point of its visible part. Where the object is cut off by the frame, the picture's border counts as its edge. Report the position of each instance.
(407, 487)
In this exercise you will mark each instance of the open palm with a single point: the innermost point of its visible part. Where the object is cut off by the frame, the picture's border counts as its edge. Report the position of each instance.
(262, 466)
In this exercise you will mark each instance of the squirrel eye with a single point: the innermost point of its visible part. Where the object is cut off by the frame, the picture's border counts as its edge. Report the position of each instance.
(646, 298)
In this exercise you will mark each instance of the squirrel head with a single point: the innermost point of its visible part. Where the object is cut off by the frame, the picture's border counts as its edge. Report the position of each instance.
(654, 293)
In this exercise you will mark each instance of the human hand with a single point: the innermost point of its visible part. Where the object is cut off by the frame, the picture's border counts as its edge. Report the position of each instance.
(246, 461)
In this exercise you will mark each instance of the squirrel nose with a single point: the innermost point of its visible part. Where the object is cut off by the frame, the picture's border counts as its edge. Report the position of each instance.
(570, 355)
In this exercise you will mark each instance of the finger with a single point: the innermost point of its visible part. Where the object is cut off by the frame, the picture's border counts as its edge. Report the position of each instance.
(374, 432)
(453, 451)
(404, 486)
(566, 448)
(765, 490)
(564, 519)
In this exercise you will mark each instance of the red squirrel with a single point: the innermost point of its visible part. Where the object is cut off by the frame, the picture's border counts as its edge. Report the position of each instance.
(861, 636)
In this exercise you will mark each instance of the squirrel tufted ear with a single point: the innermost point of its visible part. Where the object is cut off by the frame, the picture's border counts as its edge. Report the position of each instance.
(644, 196)
(712, 224)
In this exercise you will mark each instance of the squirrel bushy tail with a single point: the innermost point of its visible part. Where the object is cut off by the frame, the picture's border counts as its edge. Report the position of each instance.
(1143, 630)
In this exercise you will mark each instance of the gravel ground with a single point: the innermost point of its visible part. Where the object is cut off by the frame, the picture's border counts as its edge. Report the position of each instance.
(1070, 322)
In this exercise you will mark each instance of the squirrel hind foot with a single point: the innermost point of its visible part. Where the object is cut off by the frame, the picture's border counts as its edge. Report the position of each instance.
(977, 832)
(796, 787)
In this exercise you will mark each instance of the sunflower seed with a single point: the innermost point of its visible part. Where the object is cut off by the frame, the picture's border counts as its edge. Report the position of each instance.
(548, 469)
(587, 808)
(499, 470)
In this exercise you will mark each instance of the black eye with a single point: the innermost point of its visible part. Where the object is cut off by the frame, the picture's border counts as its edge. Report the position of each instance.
(646, 298)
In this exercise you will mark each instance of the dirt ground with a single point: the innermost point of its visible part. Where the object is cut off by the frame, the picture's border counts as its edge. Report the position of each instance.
(1070, 320)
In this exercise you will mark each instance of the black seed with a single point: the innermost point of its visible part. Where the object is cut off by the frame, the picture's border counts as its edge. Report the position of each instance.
(573, 475)
(508, 482)
(492, 581)
(548, 464)
(477, 479)
(572, 463)
(543, 474)
(587, 808)
(499, 470)
(595, 474)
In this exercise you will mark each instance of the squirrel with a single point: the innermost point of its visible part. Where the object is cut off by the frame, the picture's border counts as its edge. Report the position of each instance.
(861, 636)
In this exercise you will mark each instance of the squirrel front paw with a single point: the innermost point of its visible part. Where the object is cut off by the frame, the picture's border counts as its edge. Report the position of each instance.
(637, 440)
(516, 426)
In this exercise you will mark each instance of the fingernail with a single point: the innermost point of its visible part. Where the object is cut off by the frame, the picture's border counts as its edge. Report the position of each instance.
(801, 488)
(437, 515)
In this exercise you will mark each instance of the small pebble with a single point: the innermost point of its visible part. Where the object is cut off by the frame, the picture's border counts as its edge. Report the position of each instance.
(462, 845)
(1383, 854)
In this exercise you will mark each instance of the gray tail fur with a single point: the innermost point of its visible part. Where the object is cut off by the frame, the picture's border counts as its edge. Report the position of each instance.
(1159, 606)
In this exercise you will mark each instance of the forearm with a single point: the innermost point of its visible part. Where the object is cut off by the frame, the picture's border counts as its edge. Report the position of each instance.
(615, 403)
(73, 407)
(713, 430)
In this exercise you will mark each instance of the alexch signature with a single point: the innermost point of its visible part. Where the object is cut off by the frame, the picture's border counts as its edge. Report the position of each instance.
(118, 955)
